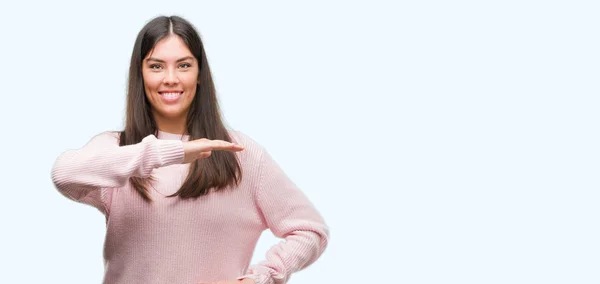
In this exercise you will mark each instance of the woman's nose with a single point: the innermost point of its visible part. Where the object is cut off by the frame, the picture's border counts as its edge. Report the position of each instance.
(171, 77)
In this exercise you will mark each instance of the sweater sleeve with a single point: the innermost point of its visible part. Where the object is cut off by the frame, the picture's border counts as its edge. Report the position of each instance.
(291, 216)
(85, 175)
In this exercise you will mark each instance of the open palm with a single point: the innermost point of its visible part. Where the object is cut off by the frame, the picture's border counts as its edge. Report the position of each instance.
(202, 148)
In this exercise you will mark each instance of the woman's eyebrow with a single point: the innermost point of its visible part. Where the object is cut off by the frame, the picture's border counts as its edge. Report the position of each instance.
(162, 61)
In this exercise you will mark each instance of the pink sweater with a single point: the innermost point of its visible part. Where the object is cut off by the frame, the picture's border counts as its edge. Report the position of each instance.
(189, 241)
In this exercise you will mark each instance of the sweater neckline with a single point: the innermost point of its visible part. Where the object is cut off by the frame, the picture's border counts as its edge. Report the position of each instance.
(172, 136)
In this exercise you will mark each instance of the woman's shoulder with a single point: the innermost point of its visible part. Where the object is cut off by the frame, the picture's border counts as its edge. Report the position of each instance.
(109, 137)
(252, 148)
(243, 138)
(110, 134)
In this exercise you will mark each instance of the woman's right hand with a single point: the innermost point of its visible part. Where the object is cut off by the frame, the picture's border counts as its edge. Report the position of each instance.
(202, 148)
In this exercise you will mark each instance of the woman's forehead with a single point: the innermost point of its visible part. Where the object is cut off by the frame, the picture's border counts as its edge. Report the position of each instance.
(170, 48)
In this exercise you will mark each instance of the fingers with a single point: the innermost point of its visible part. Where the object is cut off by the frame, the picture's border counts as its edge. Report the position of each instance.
(211, 145)
(202, 148)
(224, 145)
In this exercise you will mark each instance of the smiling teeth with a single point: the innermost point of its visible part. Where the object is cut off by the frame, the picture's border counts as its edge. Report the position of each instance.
(170, 95)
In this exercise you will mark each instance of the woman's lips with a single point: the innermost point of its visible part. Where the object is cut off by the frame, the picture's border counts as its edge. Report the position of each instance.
(170, 96)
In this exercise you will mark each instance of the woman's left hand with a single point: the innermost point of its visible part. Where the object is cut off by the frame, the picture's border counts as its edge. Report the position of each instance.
(243, 281)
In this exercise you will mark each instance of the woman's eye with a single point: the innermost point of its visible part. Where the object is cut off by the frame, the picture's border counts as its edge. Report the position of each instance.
(185, 65)
(155, 66)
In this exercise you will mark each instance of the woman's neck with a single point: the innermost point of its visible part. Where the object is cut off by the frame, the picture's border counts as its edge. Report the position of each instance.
(173, 126)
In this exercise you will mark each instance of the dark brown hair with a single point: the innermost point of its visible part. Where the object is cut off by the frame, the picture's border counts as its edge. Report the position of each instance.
(216, 172)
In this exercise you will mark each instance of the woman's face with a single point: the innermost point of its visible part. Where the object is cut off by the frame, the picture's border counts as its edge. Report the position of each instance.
(170, 74)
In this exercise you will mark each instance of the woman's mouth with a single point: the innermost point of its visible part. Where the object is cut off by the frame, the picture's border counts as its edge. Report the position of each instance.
(170, 96)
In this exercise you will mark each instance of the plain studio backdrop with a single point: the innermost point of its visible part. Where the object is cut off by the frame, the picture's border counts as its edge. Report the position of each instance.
(443, 141)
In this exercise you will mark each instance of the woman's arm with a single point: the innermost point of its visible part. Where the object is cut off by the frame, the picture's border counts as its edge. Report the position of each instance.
(289, 215)
(83, 174)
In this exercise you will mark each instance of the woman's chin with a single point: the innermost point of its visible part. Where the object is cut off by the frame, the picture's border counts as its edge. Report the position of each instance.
(172, 113)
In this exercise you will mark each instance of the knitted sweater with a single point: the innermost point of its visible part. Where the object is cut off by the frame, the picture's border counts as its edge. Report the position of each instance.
(186, 241)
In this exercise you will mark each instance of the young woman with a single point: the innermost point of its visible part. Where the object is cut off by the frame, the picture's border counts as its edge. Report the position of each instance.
(185, 198)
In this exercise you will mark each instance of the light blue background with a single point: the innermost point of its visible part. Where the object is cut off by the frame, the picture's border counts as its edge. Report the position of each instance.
(443, 141)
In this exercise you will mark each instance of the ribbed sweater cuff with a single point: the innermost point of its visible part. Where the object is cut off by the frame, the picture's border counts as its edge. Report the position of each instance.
(170, 152)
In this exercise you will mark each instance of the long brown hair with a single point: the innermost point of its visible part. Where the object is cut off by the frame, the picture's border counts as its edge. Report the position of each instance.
(216, 172)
